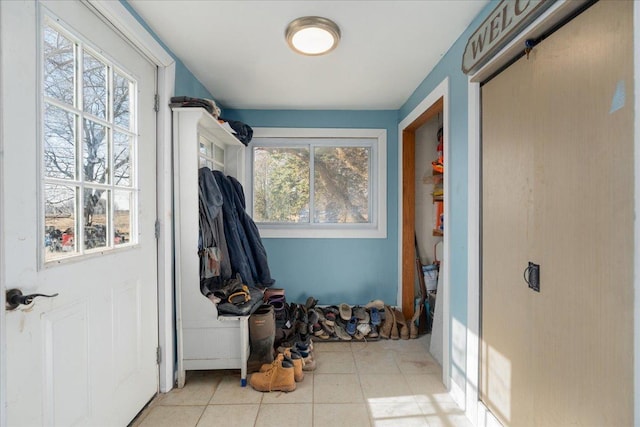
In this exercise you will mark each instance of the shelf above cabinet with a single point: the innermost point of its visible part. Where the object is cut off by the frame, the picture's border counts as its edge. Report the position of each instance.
(207, 123)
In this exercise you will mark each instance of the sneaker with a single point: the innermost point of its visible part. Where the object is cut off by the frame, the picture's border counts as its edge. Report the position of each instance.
(375, 316)
(309, 364)
(317, 329)
(304, 347)
(341, 333)
(328, 329)
(361, 313)
(330, 318)
(363, 328)
(374, 332)
(351, 325)
(345, 312)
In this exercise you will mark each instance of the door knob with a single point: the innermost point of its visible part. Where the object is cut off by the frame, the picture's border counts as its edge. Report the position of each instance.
(14, 298)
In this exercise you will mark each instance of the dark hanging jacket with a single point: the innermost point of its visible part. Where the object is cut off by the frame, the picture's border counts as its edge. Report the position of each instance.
(258, 252)
(238, 243)
(211, 226)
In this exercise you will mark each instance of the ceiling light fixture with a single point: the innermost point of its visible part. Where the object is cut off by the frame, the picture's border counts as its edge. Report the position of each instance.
(312, 35)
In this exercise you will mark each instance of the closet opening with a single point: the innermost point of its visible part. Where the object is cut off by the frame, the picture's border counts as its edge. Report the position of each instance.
(423, 207)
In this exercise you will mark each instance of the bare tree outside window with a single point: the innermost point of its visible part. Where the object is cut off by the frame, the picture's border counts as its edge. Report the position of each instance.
(341, 184)
(88, 146)
(283, 191)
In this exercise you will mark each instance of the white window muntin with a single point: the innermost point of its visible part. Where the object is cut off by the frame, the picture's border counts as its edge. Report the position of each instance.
(376, 139)
(211, 151)
(79, 182)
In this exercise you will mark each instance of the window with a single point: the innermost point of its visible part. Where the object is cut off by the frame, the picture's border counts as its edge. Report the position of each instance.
(88, 149)
(319, 182)
(211, 153)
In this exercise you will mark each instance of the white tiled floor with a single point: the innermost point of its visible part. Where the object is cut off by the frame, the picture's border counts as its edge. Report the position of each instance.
(381, 383)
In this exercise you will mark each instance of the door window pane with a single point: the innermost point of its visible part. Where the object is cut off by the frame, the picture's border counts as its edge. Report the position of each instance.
(94, 88)
(122, 220)
(96, 208)
(341, 190)
(89, 149)
(94, 152)
(121, 159)
(281, 185)
(59, 66)
(59, 143)
(218, 154)
(121, 101)
(59, 221)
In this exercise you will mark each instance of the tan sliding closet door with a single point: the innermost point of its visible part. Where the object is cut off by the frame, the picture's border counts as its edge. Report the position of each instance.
(558, 191)
(508, 174)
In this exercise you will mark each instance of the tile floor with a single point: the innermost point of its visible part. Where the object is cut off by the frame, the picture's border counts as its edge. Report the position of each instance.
(381, 383)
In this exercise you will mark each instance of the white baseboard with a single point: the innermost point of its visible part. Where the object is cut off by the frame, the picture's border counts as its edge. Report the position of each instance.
(457, 394)
(486, 418)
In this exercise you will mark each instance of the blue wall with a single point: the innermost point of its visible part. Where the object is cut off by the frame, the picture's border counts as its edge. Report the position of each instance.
(357, 270)
(450, 66)
(186, 83)
(337, 270)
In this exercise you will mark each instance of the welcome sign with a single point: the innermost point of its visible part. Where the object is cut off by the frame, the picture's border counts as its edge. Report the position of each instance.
(500, 27)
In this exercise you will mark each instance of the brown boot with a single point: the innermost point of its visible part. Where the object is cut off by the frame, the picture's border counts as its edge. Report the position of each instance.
(279, 377)
(388, 324)
(403, 328)
(296, 359)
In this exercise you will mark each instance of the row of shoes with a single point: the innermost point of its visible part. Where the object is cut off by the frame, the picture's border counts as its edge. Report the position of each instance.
(396, 327)
(287, 369)
(339, 322)
(347, 323)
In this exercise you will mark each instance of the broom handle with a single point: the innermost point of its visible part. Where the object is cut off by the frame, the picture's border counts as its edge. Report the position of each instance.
(423, 287)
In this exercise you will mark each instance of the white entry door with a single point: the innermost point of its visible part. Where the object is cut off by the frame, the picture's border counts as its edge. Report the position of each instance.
(78, 173)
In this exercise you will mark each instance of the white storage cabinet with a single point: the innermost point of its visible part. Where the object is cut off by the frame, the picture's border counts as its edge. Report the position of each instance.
(204, 339)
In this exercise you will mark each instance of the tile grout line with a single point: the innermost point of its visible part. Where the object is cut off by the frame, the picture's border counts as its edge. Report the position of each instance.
(364, 399)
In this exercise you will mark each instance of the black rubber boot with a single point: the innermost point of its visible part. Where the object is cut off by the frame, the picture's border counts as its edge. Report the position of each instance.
(262, 333)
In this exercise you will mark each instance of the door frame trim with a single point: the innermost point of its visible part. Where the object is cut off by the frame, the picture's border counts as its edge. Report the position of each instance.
(441, 91)
(475, 410)
(636, 231)
(3, 283)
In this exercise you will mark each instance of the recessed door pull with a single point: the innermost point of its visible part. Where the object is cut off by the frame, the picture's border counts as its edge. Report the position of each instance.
(532, 276)
(14, 298)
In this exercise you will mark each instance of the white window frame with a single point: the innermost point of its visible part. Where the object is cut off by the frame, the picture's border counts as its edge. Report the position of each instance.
(79, 182)
(376, 229)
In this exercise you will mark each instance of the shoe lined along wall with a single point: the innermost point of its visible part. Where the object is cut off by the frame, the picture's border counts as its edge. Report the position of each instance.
(244, 322)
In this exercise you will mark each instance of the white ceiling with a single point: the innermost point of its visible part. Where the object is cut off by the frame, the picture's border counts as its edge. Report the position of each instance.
(238, 51)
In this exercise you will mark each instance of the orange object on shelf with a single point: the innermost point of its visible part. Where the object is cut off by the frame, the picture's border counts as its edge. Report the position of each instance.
(439, 211)
(438, 165)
